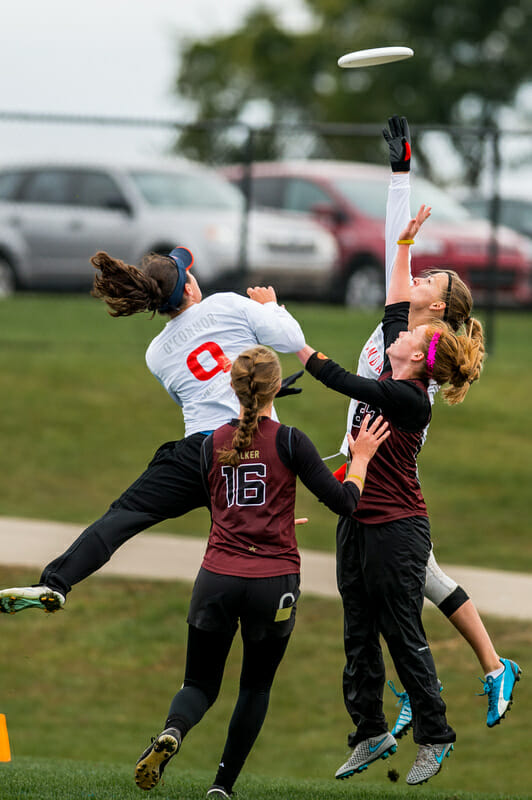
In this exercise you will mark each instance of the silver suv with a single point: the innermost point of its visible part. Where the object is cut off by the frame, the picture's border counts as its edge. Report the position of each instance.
(55, 215)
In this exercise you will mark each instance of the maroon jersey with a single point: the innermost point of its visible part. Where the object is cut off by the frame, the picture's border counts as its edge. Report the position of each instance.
(392, 489)
(252, 509)
(252, 505)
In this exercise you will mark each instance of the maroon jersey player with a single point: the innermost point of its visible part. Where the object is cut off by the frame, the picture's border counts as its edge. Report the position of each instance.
(250, 573)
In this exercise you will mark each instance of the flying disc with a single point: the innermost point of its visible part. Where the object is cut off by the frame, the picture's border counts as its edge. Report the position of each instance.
(377, 55)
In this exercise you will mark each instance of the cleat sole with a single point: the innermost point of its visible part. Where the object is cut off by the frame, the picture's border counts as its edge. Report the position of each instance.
(148, 770)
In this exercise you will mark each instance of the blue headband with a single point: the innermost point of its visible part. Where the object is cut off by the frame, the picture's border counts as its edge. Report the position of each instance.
(183, 259)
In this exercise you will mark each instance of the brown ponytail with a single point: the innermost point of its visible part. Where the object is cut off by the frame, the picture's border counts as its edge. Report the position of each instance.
(127, 289)
(454, 360)
(255, 376)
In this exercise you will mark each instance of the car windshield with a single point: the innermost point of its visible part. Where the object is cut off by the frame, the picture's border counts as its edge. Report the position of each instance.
(370, 197)
(191, 190)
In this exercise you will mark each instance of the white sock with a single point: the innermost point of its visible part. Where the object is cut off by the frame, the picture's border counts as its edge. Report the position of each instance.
(496, 672)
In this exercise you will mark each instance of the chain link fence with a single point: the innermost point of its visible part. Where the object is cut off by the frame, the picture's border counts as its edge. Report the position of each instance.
(485, 168)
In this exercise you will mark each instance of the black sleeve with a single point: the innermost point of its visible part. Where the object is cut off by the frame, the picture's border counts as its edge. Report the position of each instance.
(297, 452)
(394, 321)
(205, 466)
(402, 402)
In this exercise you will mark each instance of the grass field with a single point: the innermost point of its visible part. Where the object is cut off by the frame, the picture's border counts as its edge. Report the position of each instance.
(93, 683)
(85, 689)
(82, 416)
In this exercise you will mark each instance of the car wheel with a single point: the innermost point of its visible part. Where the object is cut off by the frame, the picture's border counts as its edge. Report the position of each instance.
(364, 288)
(8, 281)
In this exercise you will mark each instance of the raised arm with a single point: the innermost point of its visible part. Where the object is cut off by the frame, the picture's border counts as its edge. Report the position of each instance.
(300, 454)
(399, 288)
(274, 326)
(397, 137)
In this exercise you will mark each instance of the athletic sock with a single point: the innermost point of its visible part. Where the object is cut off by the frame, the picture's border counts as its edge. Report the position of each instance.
(495, 673)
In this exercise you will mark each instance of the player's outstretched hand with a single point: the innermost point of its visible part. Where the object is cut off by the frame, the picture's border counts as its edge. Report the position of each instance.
(262, 294)
(286, 385)
(415, 224)
(398, 141)
(369, 438)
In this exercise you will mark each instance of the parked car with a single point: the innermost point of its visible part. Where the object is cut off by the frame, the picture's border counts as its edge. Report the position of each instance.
(350, 199)
(514, 212)
(55, 215)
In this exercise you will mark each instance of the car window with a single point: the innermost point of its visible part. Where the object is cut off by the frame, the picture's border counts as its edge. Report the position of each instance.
(47, 186)
(266, 192)
(169, 189)
(9, 183)
(367, 196)
(96, 189)
(517, 214)
(302, 195)
(444, 207)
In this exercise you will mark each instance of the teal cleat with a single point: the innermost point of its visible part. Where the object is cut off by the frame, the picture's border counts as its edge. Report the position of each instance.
(403, 723)
(499, 691)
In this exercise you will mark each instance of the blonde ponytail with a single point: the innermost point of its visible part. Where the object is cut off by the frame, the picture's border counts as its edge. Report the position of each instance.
(452, 360)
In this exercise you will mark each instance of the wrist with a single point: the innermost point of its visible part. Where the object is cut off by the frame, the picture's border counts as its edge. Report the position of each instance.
(352, 478)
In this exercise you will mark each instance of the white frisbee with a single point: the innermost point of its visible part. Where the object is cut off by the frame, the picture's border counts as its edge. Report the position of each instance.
(377, 55)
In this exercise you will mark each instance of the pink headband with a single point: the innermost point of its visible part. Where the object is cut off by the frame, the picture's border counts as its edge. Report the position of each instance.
(431, 355)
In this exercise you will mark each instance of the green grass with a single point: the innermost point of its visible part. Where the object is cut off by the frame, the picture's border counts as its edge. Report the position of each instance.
(55, 779)
(82, 416)
(92, 683)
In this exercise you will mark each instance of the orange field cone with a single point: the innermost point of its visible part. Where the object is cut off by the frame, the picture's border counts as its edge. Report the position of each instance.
(5, 752)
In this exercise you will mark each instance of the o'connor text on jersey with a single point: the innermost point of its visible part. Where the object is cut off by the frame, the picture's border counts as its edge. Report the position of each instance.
(183, 335)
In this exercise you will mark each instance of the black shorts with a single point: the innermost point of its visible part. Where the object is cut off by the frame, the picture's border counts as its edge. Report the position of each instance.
(265, 606)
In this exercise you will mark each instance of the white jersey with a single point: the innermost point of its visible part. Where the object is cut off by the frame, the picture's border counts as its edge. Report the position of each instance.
(193, 354)
(371, 359)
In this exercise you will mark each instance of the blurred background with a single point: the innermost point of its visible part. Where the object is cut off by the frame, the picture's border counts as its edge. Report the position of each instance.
(122, 125)
(227, 127)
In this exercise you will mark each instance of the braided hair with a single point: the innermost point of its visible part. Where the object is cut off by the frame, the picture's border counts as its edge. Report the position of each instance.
(127, 289)
(454, 359)
(255, 376)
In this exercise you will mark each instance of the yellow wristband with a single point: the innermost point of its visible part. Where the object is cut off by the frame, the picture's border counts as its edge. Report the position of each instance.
(405, 241)
(350, 477)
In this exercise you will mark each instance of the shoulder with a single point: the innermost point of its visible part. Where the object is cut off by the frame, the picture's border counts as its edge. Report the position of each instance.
(225, 299)
(290, 438)
(396, 311)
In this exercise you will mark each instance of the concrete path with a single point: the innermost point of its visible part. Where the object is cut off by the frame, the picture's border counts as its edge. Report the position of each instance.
(31, 543)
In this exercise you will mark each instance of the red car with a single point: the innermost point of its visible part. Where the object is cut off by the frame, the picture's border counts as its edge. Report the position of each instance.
(350, 200)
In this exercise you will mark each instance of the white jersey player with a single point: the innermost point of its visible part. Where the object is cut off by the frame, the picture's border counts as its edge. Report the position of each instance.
(191, 358)
(192, 355)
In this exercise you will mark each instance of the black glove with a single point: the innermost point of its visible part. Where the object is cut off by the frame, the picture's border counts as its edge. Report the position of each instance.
(398, 141)
(287, 388)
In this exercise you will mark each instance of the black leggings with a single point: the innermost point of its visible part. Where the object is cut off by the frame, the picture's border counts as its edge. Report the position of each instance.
(207, 653)
(170, 486)
(381, 578)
